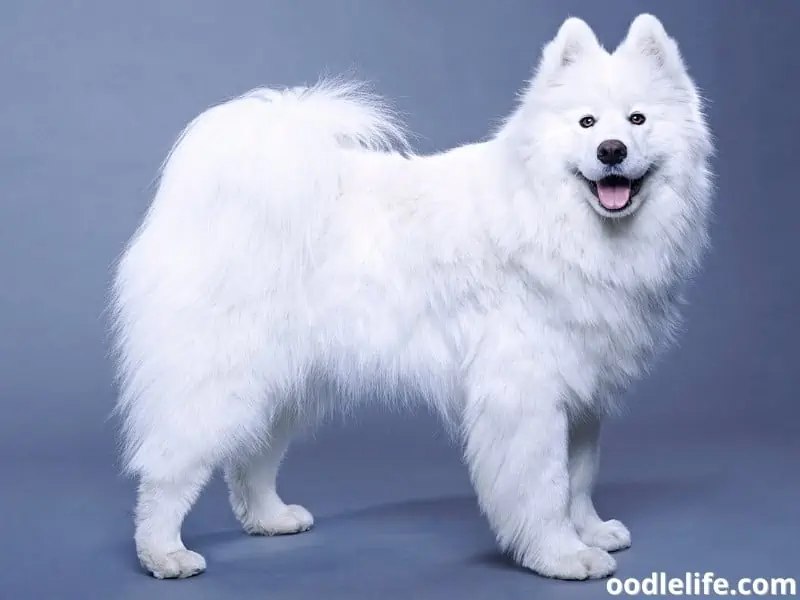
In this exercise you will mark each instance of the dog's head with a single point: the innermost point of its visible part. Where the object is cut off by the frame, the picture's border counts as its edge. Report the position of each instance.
(618, 123)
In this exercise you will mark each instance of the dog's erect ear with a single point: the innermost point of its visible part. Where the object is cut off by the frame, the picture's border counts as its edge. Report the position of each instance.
(574, 40)
(647, 38)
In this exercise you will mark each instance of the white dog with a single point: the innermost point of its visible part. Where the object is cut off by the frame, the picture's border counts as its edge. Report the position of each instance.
(293, 263)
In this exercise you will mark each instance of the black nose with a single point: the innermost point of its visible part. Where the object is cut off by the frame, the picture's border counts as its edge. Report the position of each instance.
(611, 152)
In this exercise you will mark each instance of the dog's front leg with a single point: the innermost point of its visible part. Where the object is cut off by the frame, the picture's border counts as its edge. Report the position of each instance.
(584, 457)
(517, 434)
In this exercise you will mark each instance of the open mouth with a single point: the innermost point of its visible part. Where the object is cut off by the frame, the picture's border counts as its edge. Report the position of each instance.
(615, 193)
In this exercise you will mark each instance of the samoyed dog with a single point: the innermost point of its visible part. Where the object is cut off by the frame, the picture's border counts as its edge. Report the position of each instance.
(298, 259)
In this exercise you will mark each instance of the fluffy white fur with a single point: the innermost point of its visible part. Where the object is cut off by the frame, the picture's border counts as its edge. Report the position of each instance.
(292, 263)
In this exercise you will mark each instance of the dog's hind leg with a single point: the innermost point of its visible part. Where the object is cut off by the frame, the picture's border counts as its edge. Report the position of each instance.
(162, 505)
(252, 483)
(178, 444)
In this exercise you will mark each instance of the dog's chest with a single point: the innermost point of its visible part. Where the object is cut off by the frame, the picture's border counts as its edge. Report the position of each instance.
(613, 333)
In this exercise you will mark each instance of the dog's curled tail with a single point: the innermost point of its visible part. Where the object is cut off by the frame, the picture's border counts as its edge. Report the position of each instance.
(339, 109)
(274, 149)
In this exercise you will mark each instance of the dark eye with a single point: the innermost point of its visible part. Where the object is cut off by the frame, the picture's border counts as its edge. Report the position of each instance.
(587, 121)
(637, 118)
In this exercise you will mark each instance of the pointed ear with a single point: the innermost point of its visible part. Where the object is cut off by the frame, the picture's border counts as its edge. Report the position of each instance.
(574, 40)
(648, 39)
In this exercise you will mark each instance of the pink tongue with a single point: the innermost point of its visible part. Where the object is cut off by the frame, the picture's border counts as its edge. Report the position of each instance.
(614, 195)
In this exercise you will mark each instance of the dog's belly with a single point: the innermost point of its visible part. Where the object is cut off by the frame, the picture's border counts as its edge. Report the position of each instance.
(368, 353)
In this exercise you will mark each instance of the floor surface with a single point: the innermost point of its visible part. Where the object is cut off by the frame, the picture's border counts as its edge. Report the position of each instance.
(401, 522)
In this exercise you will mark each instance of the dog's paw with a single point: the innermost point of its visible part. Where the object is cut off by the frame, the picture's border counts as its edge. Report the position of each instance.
(288, 519)
(588, 563)
(607, 535)
(172, 565)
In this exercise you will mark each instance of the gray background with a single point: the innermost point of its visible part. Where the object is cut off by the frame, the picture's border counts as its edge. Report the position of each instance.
(703, 467)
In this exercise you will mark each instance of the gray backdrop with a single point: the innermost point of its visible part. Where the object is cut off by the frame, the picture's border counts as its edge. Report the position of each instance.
(703, 467)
